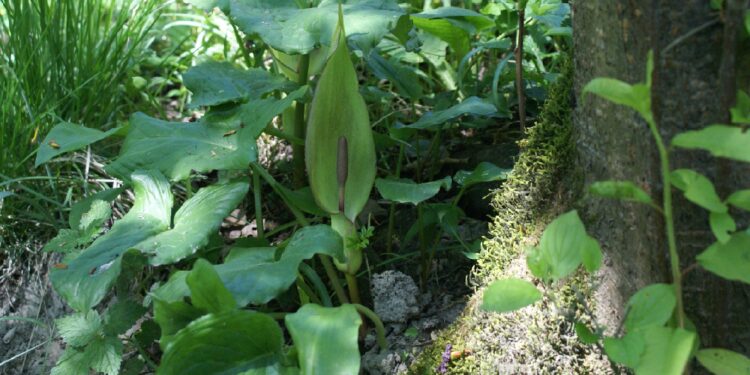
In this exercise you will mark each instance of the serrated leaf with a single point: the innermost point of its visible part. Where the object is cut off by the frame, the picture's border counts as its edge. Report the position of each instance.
(285, 27)
(252, 281)
(585, 335)
(207, 292)
(724, 362)
(226, 343)
(509, 295)
(650, 306)
(722, 225)
(105, 355)
(667, 351)
(65, 137)
(625, 190)
(698, 189)
(408, 191)
(214, 83)
(326, 339)
(78, 329)
(484, 172)
(720, 140)
(730, 260)
(470, 106)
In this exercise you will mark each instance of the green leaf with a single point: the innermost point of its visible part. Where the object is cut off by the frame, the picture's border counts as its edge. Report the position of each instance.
(591, 255)
(89, 276)
(104, 354)
(561, 248)
(722, 225)
(650, 306)
(67, 241)
(453, 25)
(172, 317)
(258, 280)
(122, 316)
(730, 260)
(625, 190)
(720, 140)
(84, 205)
(408, 191)
(194, 222)
(285, 27)
(214, 83)
(741, 111)
(92, 221)
(747, 21)
(509, 295)
(224, 343)
(403, 77)
(207, 292)
(667, 351)
(484, 172)
(472, 105)
(724, 362)
(176, 148)
(698, 189)
(634, 96)
(626, 350)
(740, 199)
(65, 137)
(79, 329)
(585, 335)
(326, 339)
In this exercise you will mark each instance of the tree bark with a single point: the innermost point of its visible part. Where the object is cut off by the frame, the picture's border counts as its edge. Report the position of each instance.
(612, 39)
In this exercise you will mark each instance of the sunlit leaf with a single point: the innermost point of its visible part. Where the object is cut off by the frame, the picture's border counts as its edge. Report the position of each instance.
(585, 335)
(722, 225)
(724, 362)
(633, 96)
(454, 25)
(65, 137)
(720, 140)
(408, 191)
(509, 295)
(626, 350)
(484, 172)
(470, 106)
(625, 190)
(207, 292)
(667, 351)
(650, 306)
(740, 199)
(561, 248)
(698, 189)
(730, 260)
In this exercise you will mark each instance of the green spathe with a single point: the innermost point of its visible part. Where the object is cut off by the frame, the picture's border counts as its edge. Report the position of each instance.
(339, 111)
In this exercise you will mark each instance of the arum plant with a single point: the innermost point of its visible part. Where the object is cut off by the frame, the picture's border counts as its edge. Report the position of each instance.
(340, 151)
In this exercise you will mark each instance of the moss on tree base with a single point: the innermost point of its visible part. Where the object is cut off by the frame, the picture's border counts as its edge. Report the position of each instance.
(539, 339)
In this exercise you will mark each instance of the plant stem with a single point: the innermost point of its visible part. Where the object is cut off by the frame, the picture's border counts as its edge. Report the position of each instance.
(519, 67)
(298, 151)
(351, 283)
(422, 248)
(379, 329)
(258, 207)
(241, 42)
(392, 208)
(307, 290)
(674, 257)
(270, 130)
(318, 284)
(334, 278)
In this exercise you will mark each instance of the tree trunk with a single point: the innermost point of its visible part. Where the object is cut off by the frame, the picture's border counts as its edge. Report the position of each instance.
(694, 63)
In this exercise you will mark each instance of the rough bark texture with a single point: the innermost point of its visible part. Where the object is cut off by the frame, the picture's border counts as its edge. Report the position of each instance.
(612, 39)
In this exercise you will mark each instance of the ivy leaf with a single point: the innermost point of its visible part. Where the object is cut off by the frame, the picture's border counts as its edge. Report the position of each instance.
(326, 339)
(484, 172)
(698, 189)
(729, 260)
(625, 190)
(408, 191)
(509, 295)
(472, 105)
(723, 362)
(650, 306)
(65, 137)
(229, 343)
(722, 225)
(720, 140)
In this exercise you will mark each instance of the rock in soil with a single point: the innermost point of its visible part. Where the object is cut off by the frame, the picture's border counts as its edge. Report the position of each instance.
(395, 296)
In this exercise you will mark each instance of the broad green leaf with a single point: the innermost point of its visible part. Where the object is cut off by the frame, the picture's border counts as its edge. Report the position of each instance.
(84, 205)
(258, 280)
(484, 172)
(509, 295)
(285, 27)
(560, 250)
(93, 220)
(591, 255)
(194, 222)
(626, 350)
(326, 339)
(207, 292)
(176, 149)
(722, 225)
(67, 241)
(720, 140)
(551, 13)
(698, 189)
(633, 96)
(122, 316)
(585, 335)
(740, 199)
(455, 26)
(650, 306)
(741, 111)
(104, 355)
(445, 215)
(214, 83)
(730, 260)
(470, 106)
(625, 190)
(172, 317)
(79, 329)
(408, 191)
(667, 351)
(724, 362)
(65, 137)
(402, 77)
(339, 136)
(224, 343)
(88, 277)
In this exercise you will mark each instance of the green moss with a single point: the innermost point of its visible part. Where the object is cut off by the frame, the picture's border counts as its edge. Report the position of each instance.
(538, 339)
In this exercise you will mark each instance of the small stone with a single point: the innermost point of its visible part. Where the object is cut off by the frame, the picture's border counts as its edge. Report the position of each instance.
(395, 296)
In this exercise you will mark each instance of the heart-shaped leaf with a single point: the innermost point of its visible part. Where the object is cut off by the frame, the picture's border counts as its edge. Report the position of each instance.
(650, 306)
(408, 191)
(470, 106)
(65, 137)
(484, 172)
